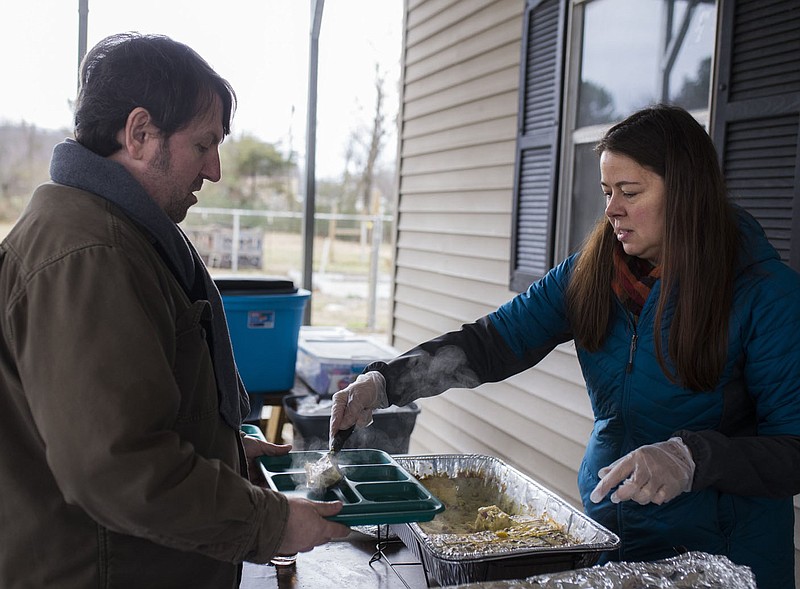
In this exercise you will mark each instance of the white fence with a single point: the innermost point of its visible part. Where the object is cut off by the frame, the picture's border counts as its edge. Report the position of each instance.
(229, 245)
(234, 242)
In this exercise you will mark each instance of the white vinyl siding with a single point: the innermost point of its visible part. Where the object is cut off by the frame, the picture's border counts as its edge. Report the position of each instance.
(456, 175)
(458, 126)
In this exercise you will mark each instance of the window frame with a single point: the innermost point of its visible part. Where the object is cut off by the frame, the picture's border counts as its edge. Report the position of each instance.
(556, 234)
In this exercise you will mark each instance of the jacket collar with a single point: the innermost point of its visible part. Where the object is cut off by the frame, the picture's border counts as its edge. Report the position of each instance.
(76, 166)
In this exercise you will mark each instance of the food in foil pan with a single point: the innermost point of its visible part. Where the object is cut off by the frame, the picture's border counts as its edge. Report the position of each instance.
(558, 536)
(493, 519)
(693, 570)
(473, 522)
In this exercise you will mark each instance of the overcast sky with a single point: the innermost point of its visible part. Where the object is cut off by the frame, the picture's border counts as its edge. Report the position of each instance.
(260, 46)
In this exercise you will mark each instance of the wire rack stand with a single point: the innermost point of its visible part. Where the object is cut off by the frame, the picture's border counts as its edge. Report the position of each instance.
(383, 541)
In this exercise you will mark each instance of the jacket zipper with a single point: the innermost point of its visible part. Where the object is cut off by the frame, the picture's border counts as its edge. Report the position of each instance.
(631, 352)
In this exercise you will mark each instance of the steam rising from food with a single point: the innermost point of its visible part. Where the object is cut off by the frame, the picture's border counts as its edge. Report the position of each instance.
(426, 375)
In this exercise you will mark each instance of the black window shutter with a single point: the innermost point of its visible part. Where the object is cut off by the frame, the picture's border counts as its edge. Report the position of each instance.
(756, 115)
(538, 132)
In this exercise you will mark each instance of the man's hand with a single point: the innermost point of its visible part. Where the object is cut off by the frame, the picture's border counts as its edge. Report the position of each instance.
(253, 448)
(354, 405)
(655, 473)
(306, 527)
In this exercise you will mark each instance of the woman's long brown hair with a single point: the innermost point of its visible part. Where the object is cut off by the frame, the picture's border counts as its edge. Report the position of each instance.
(700, 245)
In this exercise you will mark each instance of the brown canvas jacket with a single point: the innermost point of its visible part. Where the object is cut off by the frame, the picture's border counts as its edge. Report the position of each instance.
(116, 470)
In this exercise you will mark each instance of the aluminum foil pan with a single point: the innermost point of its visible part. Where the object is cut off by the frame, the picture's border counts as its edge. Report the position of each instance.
(502, 562)
(693, 570)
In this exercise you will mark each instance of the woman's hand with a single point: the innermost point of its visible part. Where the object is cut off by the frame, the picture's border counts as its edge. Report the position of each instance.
(354, 404)
(655, 473)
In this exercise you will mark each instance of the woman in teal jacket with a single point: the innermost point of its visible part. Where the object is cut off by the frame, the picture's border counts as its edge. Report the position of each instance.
(687, 329)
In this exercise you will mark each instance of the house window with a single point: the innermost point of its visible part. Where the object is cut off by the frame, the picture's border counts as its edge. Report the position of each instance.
(586, 64)
(623, 55)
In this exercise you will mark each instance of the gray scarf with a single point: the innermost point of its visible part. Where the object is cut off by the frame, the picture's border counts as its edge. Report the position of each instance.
(74, 165)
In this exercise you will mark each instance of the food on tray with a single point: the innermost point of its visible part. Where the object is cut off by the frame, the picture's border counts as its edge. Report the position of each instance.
(322, 473)
(478, 513)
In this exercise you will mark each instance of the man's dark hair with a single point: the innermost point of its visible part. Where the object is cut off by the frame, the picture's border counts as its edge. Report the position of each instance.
(131, 70)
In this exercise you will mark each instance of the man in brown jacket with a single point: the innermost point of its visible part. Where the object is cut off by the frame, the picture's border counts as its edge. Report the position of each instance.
(121, 460)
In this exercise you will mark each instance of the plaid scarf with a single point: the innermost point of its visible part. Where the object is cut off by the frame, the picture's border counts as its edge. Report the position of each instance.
(633, 279)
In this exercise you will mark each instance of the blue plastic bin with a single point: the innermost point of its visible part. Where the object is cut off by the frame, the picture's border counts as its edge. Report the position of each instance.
(264, 317)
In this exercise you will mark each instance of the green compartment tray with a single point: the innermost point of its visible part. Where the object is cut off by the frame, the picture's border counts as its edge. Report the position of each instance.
(375, 489)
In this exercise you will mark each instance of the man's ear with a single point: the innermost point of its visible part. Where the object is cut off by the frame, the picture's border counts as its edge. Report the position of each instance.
(137, 136)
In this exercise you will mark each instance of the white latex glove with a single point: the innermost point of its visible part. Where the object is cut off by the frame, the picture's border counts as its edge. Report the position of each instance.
(656, 473)
(354, 404)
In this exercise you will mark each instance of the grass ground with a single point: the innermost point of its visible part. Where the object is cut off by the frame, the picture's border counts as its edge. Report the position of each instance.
(346, 259)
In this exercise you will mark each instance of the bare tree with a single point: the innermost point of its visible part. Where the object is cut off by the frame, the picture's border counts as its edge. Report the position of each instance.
(24, 163)
(374, 149)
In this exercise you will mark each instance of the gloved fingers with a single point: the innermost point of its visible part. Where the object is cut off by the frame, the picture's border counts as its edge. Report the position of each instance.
(357, 412)
(636, 486)
(668, 490)
(635, 490)
(379, 384)
(364, 418)
(655, 473)
(600, 491)
(656, 493)
(643, 492)
(641, 483)
(662, 496)
(611, 476)
(353, 405)
(349, 409)
(338, 410)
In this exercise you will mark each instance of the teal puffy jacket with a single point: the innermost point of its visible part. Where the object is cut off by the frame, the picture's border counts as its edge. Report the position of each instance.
(744, 435)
